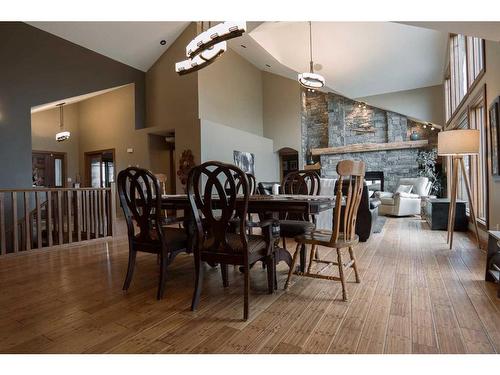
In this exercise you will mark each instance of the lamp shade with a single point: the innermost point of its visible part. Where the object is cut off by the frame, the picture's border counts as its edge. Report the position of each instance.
(458, 142)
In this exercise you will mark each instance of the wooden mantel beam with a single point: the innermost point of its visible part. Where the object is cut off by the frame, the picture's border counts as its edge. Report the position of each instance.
(369, 147)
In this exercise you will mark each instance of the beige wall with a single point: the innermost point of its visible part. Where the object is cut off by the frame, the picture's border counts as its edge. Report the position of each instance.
(108, 122)
(491, 79)
(230, 93)
(425, 104)
(45, 125)
(172, 100)
(282, 111)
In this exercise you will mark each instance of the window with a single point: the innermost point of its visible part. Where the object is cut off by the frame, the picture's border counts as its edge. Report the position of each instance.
(475, 166)
(466, 64)
(479, 169)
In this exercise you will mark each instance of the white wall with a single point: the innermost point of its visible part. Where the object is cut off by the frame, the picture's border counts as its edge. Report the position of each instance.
(230, 92)
(219, 141)
(425, 104)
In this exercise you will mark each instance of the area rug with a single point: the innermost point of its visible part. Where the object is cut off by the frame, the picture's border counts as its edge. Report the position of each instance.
(379, 224)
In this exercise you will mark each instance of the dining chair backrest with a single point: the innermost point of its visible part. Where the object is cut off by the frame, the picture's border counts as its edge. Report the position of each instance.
(302, 182)
(220, 192)
(351, 173)
(140, 198)
(252, 183)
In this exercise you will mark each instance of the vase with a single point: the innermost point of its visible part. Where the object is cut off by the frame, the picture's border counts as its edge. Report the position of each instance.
(414, 136)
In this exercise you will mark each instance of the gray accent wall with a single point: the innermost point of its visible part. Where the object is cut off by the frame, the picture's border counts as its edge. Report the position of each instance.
(36, 68)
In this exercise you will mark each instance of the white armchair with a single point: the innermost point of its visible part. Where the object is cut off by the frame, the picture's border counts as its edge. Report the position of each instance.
(402, 203)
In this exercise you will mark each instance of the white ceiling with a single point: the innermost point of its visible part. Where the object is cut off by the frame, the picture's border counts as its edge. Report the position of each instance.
(485, 30)
(72, 100)
(136, 44)
(359, 58)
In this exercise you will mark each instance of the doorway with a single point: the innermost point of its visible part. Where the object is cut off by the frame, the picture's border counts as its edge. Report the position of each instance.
(48, 169)
(100, 168)
(289, 161)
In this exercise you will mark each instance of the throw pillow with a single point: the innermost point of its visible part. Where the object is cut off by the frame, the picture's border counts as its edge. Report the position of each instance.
(404, 189)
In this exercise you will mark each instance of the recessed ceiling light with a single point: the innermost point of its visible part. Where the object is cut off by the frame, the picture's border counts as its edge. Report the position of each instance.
(243, 46)
(268, 65)
(163, 42)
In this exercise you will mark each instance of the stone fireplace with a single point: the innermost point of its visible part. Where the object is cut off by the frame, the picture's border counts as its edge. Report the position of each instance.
(335, 127)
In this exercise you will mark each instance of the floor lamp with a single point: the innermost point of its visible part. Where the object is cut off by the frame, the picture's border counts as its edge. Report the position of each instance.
(457, 144)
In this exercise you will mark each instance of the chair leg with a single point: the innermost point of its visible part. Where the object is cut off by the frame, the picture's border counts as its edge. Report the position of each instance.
(354, 265)
(130, 269)
(303, 257)
(246, 293)
(224, 271)
(316, 254)
(341, 274)
(270, 273)
(292, 267)
(284, 243)
(311, 256)
(163, 275)
(198, 281)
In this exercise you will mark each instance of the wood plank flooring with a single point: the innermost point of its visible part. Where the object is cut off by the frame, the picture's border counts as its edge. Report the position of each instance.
(416, 296)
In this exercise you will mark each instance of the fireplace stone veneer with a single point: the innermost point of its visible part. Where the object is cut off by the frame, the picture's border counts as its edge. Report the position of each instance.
(331, 120)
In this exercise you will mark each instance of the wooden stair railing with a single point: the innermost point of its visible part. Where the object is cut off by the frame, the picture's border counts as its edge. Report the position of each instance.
(46, 217)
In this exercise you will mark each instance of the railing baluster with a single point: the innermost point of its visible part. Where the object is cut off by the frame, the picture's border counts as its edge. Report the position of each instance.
(96, 215)
(60, 224)
(103, 212)
(70, 226)
(14, 222)
(27, 226)
(49, 218)
(3, 249)
(78, 215)
(87, 214)
(39, 240)
(112, 205)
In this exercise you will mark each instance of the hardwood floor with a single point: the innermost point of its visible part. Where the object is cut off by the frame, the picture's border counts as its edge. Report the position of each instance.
(415, 297)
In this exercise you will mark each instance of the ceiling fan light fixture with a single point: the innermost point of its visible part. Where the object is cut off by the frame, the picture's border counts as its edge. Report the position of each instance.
(63, 134)
(221, 32)
(201, 60)
(311, 80)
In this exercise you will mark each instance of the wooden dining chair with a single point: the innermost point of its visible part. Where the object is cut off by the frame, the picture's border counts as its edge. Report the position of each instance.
(303, 183)
(140, 198)
(344, 225)
(215, 200)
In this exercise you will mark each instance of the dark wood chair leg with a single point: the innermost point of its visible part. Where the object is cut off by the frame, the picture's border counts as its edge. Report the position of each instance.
(130, 269)
(224, 272)
(270, 274)
(284, 243)
(246, 293)
(163, 275)
(302, 258)
(197, 284)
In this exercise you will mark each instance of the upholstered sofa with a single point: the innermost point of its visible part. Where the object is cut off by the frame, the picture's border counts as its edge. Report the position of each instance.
(404, 203)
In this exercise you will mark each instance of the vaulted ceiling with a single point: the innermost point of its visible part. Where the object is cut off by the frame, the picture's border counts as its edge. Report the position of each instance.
(357, 58)
(136, 44)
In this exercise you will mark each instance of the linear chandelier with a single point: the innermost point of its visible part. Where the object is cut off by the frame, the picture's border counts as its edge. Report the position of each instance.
(62, 135)
(311, 80)
(209, 45)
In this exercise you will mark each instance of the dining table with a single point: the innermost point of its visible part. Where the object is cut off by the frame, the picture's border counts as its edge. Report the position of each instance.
(266, 206)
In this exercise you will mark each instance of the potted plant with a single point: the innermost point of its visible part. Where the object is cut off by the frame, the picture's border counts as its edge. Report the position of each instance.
(427, 160)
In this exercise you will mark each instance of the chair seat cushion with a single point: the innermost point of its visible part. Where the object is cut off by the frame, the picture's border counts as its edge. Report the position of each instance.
(176, 238)
(256, 244)
(387, 201)
(322, 237)
(292, 228)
